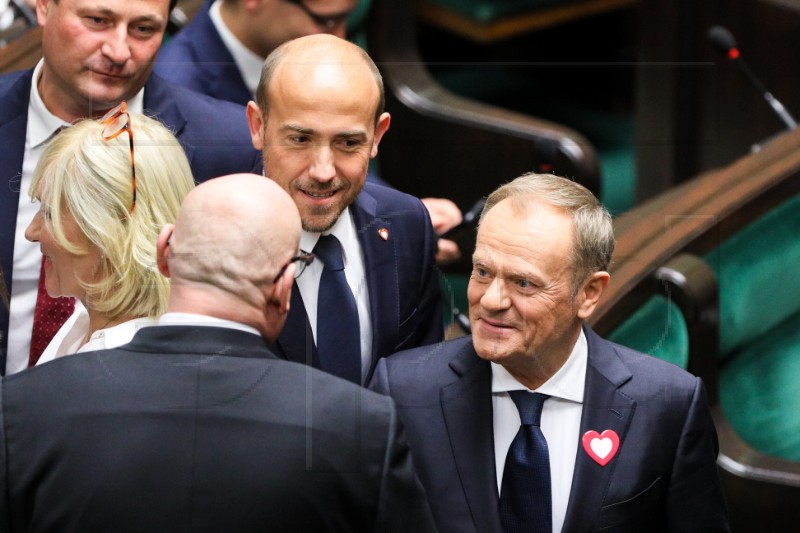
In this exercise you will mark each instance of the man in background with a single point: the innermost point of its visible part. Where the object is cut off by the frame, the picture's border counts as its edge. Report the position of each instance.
(96, 53)
(221, 51)
(195, 425)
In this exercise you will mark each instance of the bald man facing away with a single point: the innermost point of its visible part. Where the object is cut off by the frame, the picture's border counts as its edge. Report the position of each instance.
(195, 425)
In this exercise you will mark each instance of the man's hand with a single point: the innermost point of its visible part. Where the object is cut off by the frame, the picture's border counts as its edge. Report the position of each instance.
(445, 215)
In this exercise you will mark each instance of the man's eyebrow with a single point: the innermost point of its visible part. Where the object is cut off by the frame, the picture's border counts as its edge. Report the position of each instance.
(360, 134)
(297, 129)
(148, 18)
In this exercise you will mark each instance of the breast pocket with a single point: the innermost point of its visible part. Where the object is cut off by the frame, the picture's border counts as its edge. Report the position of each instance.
(642, 512)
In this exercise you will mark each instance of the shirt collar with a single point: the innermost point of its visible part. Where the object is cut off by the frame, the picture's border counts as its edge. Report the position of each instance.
(248, 62)
(191, 319)
(568, 383)
(42, 124)
(344, 229)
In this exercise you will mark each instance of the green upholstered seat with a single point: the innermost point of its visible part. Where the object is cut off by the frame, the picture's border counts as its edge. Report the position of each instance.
(485, 11)
(656, 328)
(758, 272)
(760, 391)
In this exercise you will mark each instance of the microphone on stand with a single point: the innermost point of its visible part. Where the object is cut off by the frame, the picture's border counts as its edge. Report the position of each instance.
(725, 43)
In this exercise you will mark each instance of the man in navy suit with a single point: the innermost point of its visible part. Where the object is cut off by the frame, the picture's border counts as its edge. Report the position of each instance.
(95, 55)
(220, 52)
(319, 120)
(195, 425)
(628, 439)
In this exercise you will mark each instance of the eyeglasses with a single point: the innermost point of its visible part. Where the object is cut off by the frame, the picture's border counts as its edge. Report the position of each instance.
(326, 22)
(116, 121)
(302, 261)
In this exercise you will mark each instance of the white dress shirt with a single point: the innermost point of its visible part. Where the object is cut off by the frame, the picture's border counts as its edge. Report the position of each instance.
(354, 271)
(248, 62)
(69, 338)
(42, 124)
(560, 422)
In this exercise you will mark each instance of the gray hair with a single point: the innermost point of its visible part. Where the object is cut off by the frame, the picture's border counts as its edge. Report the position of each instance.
(593, 229)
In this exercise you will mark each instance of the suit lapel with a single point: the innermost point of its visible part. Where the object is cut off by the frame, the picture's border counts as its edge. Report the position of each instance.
(604, 407)
(296, 340)
(218, 61)
(13, 127)
(467, 409)
(380, 268)
(158, 102)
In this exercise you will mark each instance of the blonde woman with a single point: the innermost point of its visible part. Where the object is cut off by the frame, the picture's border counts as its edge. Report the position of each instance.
(106, 188)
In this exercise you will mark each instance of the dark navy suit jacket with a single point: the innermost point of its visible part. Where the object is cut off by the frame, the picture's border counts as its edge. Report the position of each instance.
(200, 429)
(198, 59)
(213, 133)
(402, 279)
(662, 478)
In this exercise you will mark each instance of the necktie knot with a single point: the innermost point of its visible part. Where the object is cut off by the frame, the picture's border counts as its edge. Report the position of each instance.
(329, 251)
(529, 406)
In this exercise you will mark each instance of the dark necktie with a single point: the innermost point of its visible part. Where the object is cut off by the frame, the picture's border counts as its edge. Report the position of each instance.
(48, 317)
(338, 332)
(525, 501)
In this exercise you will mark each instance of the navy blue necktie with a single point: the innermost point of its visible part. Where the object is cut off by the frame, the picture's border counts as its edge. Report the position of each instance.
(525, 501)
(338, 332)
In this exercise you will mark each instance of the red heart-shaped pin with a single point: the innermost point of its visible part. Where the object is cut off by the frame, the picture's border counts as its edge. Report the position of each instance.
(384, 233)
(601, 447)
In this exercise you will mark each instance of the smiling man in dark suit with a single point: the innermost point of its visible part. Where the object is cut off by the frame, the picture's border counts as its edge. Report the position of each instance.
(319, 120)
(96, 53)
(195, 425)
(534, 423)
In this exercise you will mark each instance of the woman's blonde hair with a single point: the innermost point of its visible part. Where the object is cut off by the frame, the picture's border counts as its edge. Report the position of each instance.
(91, 179)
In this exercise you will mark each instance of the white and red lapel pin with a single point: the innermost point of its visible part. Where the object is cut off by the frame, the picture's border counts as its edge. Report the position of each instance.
(383, 233)
(602, 447)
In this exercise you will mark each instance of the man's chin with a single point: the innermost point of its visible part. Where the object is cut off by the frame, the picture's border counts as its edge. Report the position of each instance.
(319, 223)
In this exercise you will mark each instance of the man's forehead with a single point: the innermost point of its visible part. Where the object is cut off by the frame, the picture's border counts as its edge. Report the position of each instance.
(136, 8)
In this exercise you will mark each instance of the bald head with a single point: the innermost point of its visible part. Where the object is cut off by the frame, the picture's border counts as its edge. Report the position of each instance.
(231, 238)
(318, 123)
(322, 60)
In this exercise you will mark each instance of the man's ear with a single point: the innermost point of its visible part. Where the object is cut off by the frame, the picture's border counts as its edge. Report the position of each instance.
(42, 8)
(380, 128)
(256, 124)
(282, 290)
(163, 249)
(589, 294)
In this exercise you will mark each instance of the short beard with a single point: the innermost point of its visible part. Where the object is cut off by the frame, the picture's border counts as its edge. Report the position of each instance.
(321, 228)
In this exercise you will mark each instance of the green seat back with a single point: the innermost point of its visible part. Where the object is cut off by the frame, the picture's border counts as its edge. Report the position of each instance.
(757, 272)
(760, 391)
(656, 328)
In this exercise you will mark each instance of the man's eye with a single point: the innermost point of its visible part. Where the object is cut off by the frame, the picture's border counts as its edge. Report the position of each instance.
(351, 144)
(95, 21)
(144, 31)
